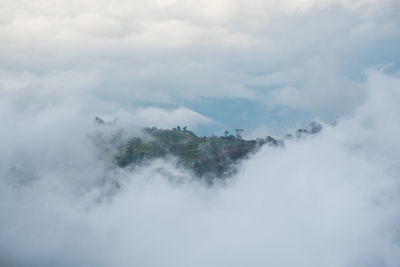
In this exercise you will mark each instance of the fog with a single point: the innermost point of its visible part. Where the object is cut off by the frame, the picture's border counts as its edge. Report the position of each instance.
(330, 199)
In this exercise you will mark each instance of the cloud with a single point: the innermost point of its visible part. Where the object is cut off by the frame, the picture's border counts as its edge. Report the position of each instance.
(151, 117)
(180, 52)
(327, 200)
(316, 88)
(331, 200)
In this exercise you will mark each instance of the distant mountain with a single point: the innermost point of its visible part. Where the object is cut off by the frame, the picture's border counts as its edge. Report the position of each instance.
(206, 157)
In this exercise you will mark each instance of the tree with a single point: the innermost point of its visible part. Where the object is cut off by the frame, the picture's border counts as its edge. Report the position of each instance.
(238, 133)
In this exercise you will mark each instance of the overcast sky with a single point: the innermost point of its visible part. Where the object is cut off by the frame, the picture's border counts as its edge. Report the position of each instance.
(235, 64)
(326, 200)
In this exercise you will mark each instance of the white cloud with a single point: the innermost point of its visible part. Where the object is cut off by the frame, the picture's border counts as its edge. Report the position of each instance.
(315, 87)
(174, 51)
(150, 117)
(328, 200)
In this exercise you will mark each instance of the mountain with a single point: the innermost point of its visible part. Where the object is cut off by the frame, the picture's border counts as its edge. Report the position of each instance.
(206, 157)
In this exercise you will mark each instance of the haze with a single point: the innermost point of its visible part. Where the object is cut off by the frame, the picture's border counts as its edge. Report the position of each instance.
(329, 199)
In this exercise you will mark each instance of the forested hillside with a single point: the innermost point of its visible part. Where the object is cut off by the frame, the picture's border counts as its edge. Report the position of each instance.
(206, 157)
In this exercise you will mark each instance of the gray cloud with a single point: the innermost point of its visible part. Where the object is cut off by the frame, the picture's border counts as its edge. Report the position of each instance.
(327, 200)
(330, 200)
(303, 55)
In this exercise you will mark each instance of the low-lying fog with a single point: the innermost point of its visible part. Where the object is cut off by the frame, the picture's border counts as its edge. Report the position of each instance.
(330, 199)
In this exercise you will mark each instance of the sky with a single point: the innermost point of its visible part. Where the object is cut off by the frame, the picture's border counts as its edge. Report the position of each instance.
(267, 66)
(329, 199)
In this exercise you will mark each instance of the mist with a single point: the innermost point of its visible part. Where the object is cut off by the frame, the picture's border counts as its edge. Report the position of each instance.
(330, 199)
(326, 199)
(269, 63)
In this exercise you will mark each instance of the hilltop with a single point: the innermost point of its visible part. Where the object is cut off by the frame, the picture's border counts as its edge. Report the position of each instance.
(206, 157)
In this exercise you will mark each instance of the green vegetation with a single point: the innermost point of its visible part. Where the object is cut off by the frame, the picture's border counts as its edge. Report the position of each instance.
(204, 156)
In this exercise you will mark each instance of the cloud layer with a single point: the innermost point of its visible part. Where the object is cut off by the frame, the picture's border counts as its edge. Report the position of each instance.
(327, 200)
(298, 56)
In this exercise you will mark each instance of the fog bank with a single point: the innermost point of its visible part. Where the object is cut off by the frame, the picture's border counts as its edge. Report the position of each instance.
(331, 199)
